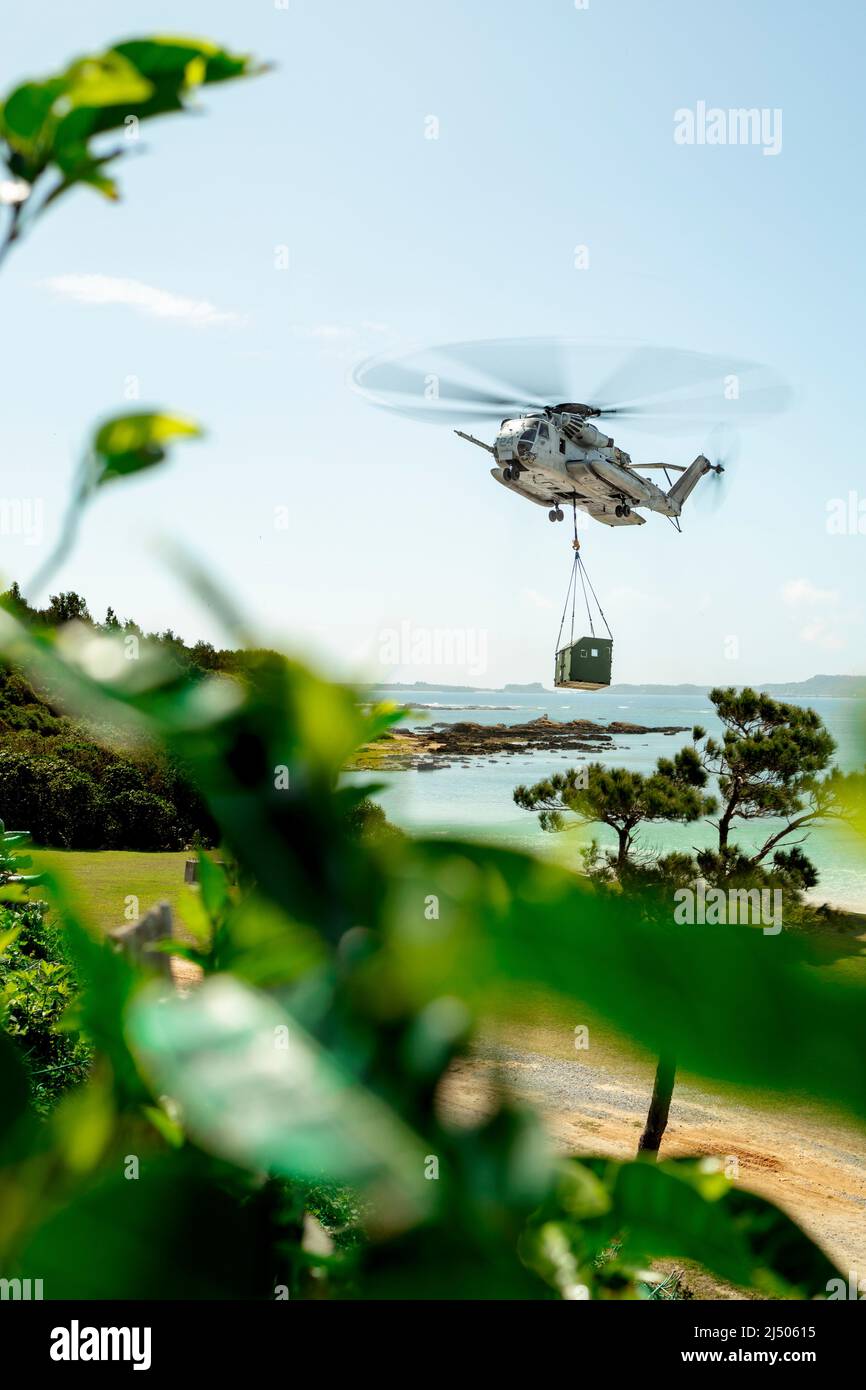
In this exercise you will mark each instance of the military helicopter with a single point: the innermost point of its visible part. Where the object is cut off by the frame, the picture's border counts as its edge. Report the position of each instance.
(550, 453)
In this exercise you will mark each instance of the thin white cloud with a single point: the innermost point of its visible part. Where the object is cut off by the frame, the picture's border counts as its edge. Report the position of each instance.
(802, 591)
(346, 331)
(825, 621)
(823, 634)
(346, 341)
(146, 299)
(537, 600)
(332, 331)
(639, 600)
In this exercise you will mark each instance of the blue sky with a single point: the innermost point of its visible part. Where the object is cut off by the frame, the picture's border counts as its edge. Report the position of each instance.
(336, 525)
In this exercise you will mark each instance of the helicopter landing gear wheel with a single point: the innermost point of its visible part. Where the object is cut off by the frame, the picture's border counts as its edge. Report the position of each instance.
(551, 516)
(622, 509)
(506, 473)
(559, 514)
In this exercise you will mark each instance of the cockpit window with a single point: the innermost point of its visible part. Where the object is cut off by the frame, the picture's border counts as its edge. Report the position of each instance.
(543, 432)
(526, 441)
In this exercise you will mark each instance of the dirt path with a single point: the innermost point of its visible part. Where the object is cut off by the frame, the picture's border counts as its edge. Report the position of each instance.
(812, 1166)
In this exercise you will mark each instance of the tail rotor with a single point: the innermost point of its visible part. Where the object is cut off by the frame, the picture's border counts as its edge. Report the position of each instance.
(722, 450)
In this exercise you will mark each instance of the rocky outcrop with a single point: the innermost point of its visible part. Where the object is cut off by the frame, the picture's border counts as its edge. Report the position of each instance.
(438, 745)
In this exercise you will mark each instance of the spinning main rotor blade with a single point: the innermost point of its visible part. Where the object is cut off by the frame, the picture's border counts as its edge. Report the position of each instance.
(666, 390)
(528, 370)
(400, 385)
(484, 380)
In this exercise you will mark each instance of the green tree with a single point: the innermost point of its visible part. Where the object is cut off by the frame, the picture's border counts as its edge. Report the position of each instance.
(61, 805)
(772, 761)
(621, 799)
(624, 801)
(143, 821)
(14, 602)
(367, 821)
(66, 608)
(205, 656)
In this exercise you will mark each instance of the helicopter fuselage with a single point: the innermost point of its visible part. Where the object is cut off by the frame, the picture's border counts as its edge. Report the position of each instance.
(554, 458)
(558, 455)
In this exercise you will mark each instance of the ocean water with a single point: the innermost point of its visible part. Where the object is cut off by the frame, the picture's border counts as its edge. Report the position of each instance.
(476, 800)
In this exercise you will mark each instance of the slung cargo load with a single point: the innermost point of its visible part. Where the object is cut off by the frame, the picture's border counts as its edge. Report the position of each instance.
(585, 664)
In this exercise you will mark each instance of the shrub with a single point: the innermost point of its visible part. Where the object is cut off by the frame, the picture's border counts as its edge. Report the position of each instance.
(37, 982)
(140, 820)
(76, 794)
(61, 805)
(120, 777)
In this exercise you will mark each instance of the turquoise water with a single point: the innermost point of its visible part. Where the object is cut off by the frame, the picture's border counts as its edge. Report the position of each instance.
(476, 800)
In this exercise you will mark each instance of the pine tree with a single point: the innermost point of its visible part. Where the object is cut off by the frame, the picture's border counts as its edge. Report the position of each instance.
(621, 799)
(771, 763)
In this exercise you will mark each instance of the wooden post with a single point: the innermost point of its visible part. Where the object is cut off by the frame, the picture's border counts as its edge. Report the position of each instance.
(135, 939)
(190, 870)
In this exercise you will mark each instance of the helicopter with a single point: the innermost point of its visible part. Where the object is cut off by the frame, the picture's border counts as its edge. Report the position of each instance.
(561, 457)
(553, 454)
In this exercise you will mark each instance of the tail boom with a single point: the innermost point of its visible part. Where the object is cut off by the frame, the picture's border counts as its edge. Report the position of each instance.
(688, 481)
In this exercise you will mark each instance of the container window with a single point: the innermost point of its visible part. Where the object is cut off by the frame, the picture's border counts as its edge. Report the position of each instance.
(594, 651)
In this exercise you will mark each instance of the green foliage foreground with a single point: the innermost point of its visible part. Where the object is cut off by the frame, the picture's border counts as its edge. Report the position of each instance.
(343, 974)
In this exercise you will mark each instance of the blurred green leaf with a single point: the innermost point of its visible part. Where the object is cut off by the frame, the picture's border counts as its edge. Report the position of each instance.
(131, 442)
(51, 122)
(14, 1087)
(186, 62)
(107, 983)
(253, 1088)
(213, 885)
(7, 937)
(727, 1001)
(13, 893)
(173, 1231)
(35, 116)
(25, 116)
(608, 1220)
(687, 1210)
(107, 79)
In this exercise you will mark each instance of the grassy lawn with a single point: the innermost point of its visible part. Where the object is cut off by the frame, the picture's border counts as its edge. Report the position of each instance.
(100, 881)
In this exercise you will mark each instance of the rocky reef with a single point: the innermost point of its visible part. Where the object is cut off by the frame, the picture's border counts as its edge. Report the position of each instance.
(438, 745)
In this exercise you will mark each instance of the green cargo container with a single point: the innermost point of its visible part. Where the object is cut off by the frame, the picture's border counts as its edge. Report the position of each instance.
(585, 664)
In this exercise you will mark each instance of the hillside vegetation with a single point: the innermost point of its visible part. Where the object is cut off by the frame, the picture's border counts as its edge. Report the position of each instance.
(75, 788)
